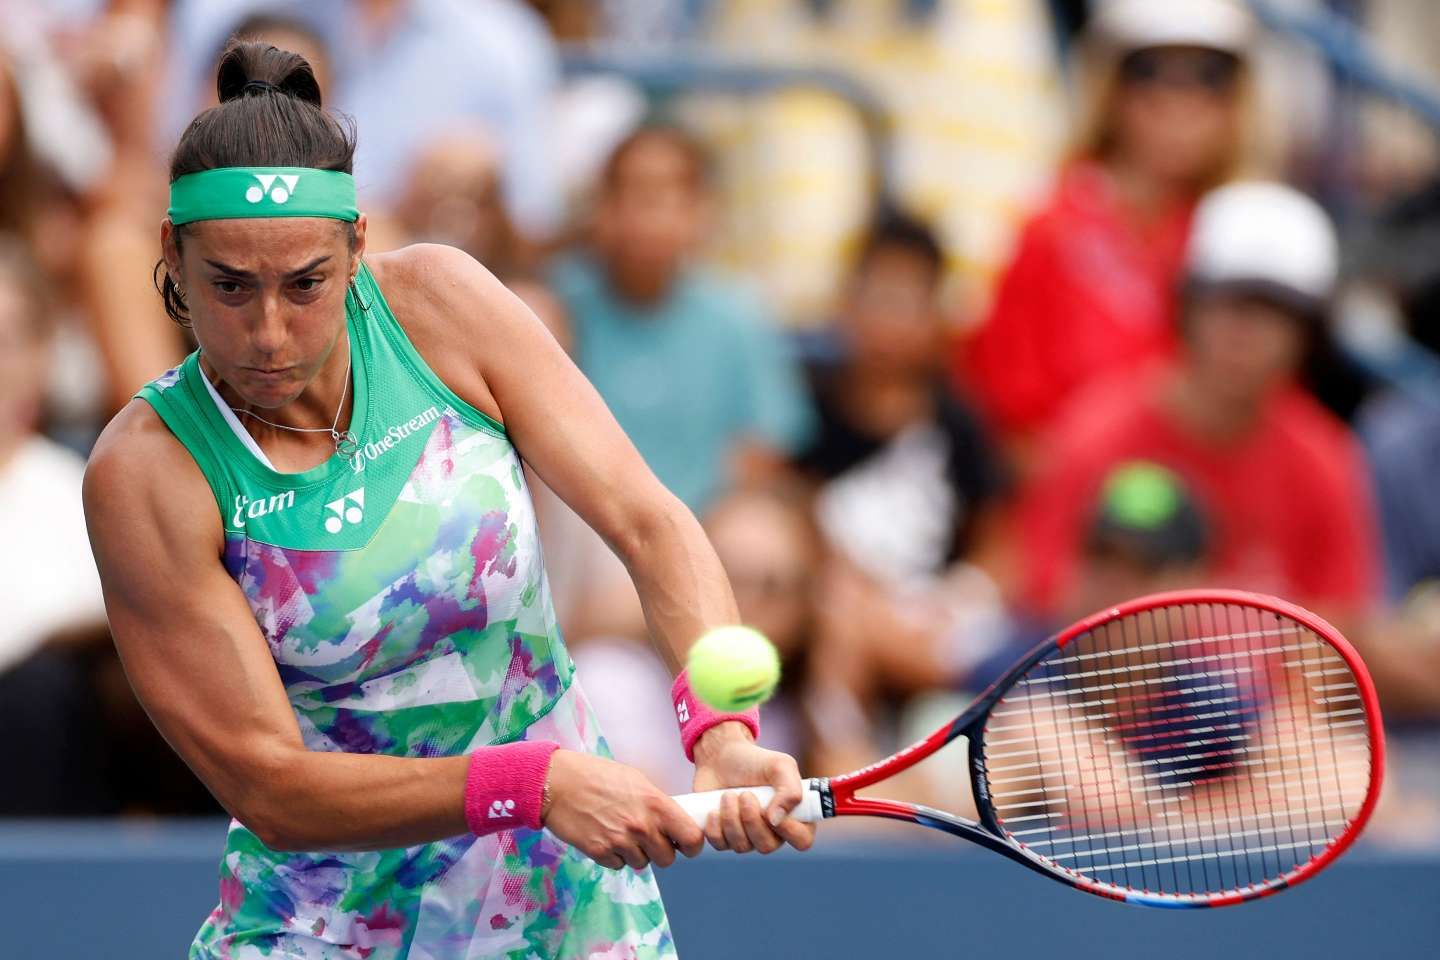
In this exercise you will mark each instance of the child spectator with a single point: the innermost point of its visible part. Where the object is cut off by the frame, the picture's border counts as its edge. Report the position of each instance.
(908, 477)
(693, 370)
(908, 490)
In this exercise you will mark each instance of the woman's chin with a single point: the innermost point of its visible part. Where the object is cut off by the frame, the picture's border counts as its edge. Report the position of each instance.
(267, 388)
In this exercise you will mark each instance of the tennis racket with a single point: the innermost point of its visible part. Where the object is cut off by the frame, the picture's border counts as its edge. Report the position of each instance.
(1189, 749)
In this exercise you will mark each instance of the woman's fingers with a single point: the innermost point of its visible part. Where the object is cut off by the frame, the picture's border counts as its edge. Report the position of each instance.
(757, 829)
(731, 824)
(714, 835)
(680, 831)
(799, 835)
(742, 825)
(633, 856)
(657, 847)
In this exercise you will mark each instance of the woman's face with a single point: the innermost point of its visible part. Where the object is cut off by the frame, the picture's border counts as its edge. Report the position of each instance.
(1177, 112)
(266, 298)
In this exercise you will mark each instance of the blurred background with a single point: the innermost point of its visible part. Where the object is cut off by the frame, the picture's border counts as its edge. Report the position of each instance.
(953, 320)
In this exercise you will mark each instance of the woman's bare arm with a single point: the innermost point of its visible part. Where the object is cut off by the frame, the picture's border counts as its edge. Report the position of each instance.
(508, 365)
(203, 671)
(517, 373)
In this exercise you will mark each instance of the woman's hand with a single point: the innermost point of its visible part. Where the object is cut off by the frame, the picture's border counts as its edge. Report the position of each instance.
(614, 815)
(727, 756)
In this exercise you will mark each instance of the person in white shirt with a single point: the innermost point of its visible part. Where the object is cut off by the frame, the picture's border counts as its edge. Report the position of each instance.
(49, 589)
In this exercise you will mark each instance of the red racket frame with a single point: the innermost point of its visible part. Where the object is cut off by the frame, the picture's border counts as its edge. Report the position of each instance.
(838, 793)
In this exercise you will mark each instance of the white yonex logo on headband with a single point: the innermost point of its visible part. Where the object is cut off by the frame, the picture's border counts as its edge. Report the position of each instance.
(279, 192)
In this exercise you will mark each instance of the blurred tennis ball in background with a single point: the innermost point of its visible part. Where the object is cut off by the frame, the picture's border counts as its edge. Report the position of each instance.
(733, 668)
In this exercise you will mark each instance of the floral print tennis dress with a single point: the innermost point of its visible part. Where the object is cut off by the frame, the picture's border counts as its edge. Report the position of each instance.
(403, 596)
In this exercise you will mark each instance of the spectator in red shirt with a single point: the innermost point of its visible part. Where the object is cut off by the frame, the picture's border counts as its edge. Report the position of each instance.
(1091, 287)
(1281, 479)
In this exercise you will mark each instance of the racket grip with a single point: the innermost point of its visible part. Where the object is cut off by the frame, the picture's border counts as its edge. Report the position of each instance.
(701, 805)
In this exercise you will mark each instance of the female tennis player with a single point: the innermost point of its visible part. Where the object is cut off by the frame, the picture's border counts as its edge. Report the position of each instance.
(323, 573)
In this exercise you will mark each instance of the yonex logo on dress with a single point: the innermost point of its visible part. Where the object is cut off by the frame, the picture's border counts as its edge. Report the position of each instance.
(374, 449)
(501, 808)
(348, 509)
(247, 509)
(279, 192)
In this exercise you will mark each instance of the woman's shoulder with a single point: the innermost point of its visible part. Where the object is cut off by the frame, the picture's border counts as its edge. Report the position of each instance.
(432, 274)
(138, 460)
(436, 292)
(134, 436)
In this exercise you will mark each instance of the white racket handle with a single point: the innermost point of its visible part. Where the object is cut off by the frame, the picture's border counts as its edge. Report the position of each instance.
(701, 805)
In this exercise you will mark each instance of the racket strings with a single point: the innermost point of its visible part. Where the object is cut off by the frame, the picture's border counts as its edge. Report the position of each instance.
(1189, 750)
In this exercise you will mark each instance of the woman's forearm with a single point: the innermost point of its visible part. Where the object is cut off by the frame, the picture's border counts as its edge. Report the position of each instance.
(307, 800)
(683, 588)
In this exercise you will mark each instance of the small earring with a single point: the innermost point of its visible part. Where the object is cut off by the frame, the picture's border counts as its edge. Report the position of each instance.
(355, 291)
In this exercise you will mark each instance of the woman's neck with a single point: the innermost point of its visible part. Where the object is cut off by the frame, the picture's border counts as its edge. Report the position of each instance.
(298, 432)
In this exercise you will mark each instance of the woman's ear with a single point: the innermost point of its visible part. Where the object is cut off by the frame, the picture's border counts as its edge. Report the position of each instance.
(362, 223)
(170, 250)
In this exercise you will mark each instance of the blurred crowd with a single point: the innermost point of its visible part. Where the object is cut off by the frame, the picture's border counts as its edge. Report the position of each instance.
(1135, 297)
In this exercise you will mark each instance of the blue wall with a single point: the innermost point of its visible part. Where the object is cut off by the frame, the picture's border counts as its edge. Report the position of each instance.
(139, 891)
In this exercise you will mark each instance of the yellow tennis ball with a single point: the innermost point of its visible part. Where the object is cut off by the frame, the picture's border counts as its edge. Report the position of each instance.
(733, 668)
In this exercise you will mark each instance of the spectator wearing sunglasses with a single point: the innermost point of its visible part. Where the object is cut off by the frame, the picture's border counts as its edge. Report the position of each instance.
(1090, 289)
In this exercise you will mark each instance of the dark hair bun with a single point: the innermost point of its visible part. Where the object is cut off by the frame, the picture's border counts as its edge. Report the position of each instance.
(254, 68)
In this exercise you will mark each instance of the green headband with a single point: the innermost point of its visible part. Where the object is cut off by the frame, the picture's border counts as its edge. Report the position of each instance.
(234, 193)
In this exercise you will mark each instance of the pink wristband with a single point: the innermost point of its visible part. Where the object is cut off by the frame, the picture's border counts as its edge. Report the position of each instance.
(696, 717)
(505, 786)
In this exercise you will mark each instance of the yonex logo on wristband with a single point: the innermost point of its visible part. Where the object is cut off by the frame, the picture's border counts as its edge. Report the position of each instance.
(682, 711)
(501, 808)
(278, 192)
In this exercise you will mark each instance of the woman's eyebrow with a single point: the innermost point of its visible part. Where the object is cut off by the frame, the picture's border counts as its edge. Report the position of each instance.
(249, 275)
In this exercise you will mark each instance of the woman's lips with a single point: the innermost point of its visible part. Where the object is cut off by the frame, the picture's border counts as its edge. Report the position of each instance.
(270, 374)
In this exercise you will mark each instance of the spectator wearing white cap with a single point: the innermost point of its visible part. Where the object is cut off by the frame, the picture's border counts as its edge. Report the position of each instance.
(1090, 287)
(1280, 477)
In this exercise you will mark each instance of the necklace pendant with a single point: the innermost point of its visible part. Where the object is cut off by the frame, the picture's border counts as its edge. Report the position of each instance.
(345, 444)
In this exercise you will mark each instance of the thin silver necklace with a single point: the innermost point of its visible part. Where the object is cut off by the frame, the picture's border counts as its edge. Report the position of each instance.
(345, 444)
